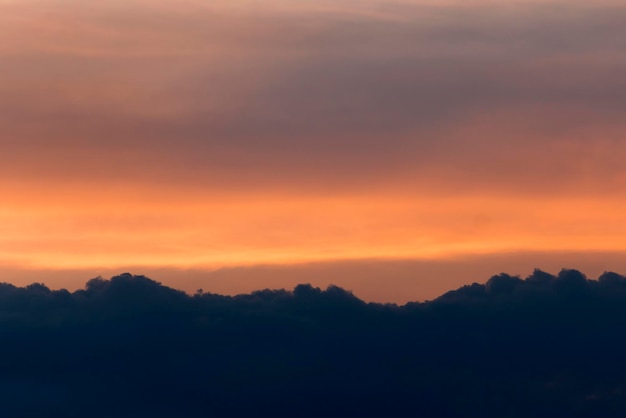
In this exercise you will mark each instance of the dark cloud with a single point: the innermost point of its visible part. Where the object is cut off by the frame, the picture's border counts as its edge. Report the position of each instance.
(131, 347)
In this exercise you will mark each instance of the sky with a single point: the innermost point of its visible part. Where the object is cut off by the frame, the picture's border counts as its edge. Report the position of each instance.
(399, 148)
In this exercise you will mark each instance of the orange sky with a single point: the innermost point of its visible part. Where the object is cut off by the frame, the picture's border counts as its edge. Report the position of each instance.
(115, 229)
(193, 135)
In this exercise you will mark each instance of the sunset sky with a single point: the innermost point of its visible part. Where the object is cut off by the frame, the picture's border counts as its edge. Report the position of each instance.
(398, 148)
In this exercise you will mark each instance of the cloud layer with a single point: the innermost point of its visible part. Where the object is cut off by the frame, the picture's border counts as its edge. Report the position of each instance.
(280, 96)
(132, 347)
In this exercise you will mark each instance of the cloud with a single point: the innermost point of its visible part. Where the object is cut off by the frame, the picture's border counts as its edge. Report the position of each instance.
(537, 345)
(329, 96)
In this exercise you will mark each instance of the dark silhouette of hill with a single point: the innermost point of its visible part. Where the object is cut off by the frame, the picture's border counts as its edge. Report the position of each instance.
(129, 347)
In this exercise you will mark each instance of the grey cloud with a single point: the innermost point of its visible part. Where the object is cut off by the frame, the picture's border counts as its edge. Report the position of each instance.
(295, 94)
